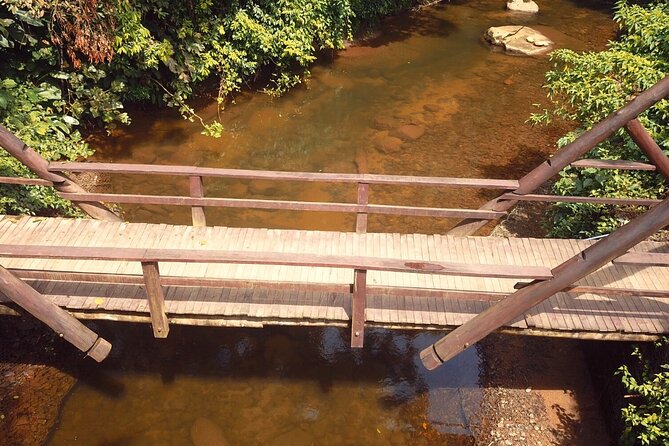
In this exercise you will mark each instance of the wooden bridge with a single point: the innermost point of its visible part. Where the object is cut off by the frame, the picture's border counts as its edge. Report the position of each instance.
(62, 270)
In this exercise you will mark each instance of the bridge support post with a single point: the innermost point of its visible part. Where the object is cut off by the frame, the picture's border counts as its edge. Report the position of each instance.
(156, 298)
(197, 191)
(564, 275)
(647, 144)
(62, 322)
(570, 153)
(31, 159)
(358, 308)
(359, 296)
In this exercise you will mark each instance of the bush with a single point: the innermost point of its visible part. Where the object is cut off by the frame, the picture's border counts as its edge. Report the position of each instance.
(587, 87)
(72, 64)
(647, 422)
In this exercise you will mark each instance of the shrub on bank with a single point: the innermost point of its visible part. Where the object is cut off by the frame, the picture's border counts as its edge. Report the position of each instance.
(69, 64)
(587, 87)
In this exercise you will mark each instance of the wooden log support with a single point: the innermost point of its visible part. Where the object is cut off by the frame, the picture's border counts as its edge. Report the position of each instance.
(363, 200)
(31, 159)
(62, 322)
(359, 296)
(283, 205)
(358, 308)
(570, 153)
(154, 293)
(579, 266)
(642, 138)
(576, 199)
(197, 191)
(612, 164)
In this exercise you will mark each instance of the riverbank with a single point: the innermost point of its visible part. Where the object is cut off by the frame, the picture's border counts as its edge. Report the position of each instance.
(35, 377)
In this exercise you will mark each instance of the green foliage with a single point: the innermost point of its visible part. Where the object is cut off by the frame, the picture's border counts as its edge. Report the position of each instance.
(646, 423)
(72, 64)
(587, 87)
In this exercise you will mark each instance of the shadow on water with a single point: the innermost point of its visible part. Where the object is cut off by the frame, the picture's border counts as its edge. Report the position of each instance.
(409, 25)
(302, 383)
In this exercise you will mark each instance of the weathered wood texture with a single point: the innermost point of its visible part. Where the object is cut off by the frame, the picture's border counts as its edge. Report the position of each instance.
(31, 159)
(610, 303)
(58, 319)
(564, 275)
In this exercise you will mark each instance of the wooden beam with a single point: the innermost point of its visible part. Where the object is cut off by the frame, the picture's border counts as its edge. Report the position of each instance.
(361, 217)
(574, 199)
(154, 293)
(579, 266)
(275, 258)
(398, 180)
(570, 153)
(612, 164)
(31, 159)
(648, 146)
(58, 319)
(358, 308)
(283, 205)
(643, 259)
(25, 181)
(197, 191)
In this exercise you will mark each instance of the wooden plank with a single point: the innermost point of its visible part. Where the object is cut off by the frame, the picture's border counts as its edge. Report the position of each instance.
(643, 259)
(612, 164)
(25, 181)
(384, 209)
(576, 199)
(358, 306)
(156, 298)
(196, 190)
(157, 169)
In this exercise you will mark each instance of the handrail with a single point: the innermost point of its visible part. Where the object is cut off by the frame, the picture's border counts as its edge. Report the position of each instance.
(248, 174)
(273, 258)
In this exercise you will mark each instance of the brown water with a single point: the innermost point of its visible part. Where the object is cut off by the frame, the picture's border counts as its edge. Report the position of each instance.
(429, 69)
(305, 386)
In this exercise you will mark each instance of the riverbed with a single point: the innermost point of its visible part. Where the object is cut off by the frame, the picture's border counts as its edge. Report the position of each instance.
(467, 107)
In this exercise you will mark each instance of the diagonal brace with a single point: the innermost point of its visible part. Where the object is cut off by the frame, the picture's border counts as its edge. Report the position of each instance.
(564, 275)
(62, 322)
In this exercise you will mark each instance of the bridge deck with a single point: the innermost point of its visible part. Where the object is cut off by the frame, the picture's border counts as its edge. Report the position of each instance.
(254, 295)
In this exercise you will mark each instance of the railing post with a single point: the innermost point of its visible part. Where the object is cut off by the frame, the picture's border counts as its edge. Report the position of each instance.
(31, 159)
(564, 275)
(197, 191)
(359, 297)
(570, 153)
(647, 144)
(154, 293)
(363, 199)
(62, 322)
(358, 308)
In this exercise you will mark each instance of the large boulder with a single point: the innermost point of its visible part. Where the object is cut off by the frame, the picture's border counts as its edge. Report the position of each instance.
(519, 40)
(522, 6)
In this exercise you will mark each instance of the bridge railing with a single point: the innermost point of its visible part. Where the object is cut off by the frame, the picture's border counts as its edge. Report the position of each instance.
(198, 201)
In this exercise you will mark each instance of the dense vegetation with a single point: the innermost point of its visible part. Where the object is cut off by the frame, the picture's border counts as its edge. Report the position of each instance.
(647, 417)
(72, 64)
(586, 87)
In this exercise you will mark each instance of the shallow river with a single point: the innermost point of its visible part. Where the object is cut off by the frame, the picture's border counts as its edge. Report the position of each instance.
(298, 386)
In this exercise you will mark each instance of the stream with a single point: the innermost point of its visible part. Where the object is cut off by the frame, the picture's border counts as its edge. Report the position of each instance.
(421, 95)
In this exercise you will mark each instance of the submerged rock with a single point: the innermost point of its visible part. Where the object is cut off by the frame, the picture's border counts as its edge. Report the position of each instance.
(522, 6)
(519, 40)
(410, 131)
(205, 432)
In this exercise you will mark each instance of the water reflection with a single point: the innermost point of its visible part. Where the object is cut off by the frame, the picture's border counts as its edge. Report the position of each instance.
(296, 386)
